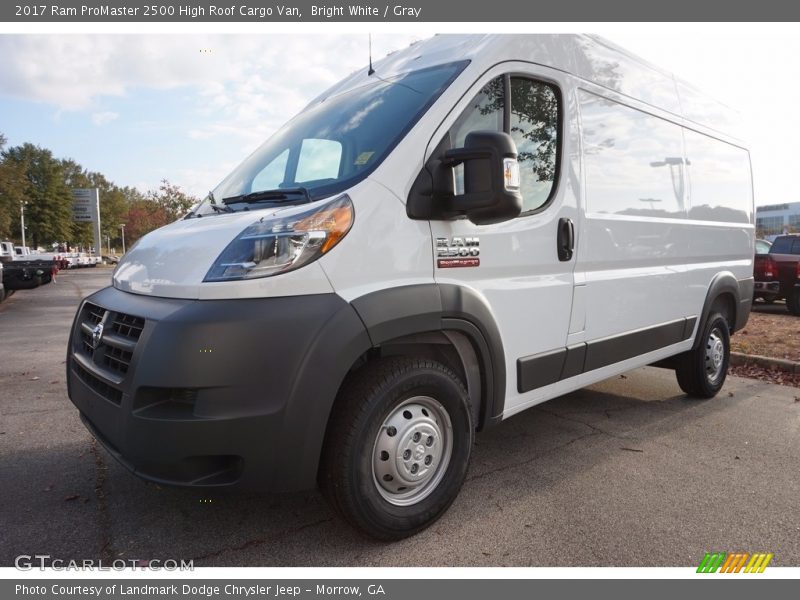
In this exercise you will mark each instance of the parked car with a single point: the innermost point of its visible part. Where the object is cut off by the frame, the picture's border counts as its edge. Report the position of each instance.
(763, 246)
(23, 270)
(765, 273)
(476, 226)
(783, 262)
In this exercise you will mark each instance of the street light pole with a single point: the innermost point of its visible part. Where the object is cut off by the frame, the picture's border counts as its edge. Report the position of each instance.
(22, 220)
(122, 227)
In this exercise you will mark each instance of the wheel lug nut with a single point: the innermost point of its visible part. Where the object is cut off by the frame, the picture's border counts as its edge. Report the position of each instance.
(414, 468)
(391, 431)
(429, 441)
(417, 436)
(407, 454)
(428, 459)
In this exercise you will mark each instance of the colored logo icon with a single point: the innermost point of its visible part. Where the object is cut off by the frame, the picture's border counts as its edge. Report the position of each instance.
(734, 562)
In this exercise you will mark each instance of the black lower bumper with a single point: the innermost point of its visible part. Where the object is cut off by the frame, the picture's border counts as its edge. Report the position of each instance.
(212, 393)
(766, 288)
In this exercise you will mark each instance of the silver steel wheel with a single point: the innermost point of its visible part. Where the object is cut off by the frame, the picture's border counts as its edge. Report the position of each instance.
(715, 355)
(412, 451)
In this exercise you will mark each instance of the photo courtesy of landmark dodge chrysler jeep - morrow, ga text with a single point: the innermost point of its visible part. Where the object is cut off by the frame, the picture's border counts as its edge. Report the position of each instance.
(479, 225)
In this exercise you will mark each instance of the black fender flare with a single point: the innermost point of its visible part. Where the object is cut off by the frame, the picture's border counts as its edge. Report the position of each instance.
(406, 310)
(722, 283)
(340, 342)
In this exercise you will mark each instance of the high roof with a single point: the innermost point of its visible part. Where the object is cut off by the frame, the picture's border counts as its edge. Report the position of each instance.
(588, 57)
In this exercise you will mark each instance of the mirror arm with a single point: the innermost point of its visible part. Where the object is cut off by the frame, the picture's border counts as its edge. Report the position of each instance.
(456, 156)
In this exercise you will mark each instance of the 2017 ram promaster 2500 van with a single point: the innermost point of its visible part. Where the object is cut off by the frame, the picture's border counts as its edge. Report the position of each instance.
(482, 224)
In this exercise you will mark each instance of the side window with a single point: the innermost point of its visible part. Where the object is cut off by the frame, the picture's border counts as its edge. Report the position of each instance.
(532, 119)
(633, 161)
(319, 159)
(485, 112)
(534, 127)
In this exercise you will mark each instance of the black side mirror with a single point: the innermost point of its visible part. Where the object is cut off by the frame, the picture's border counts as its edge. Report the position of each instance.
(491, 177)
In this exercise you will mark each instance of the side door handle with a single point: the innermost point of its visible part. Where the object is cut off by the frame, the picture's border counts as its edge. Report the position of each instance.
(565, 239)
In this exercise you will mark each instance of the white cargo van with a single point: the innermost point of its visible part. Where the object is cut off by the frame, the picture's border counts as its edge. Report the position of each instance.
(482, 224)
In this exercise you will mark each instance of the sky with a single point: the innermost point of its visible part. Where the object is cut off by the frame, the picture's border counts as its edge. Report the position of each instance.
(189, 108)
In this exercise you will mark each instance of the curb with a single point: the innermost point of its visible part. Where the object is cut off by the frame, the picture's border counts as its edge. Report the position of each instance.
(788, 366)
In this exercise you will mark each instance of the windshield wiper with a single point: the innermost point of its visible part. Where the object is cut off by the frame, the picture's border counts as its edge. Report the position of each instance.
(212, 203)
(276, 195)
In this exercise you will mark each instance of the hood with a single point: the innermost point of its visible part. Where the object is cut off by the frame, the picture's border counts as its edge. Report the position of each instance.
(173, 261)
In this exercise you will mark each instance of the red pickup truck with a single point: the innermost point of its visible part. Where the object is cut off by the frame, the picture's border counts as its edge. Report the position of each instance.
(777, 273)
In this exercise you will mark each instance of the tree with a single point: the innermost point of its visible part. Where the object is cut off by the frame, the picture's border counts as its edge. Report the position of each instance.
(156, 209)
(174, 201)
(10, 178)
(143, 216)
(31, 175)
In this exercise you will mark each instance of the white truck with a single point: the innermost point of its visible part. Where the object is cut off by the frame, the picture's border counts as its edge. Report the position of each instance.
(481, 224)
(24, 269)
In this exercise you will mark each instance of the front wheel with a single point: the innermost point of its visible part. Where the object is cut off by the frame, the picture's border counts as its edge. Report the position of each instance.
(398, 445)
(701, 372)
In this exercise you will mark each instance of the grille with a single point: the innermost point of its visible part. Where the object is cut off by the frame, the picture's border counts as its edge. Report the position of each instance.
(127, 325)
(99, 386)
(116, 359)
(109, 362)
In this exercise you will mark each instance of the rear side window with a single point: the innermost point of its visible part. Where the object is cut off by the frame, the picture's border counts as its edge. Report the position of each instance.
(633, 160)
(786, 245)
(719, 177)
(532, 118)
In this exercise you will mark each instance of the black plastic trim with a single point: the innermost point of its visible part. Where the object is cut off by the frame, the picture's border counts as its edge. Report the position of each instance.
(575, 361)
(722, 283)
(264, 374)
(396, 312)
(746, 287)
(543, 369)
(540, 370)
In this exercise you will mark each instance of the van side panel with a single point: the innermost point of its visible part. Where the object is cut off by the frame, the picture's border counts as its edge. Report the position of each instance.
(660, 222)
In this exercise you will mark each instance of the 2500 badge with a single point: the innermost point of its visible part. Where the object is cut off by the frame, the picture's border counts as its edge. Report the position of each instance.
(458, 252)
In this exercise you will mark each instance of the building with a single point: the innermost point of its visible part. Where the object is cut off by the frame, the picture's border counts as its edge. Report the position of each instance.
(776, 219)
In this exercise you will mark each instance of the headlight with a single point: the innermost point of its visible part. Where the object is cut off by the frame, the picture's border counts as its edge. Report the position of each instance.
(284, 241)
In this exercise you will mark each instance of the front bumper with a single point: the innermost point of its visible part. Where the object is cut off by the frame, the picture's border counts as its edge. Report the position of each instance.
(212, 393)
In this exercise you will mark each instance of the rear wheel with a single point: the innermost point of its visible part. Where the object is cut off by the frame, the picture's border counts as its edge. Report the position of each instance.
(397, 447)
(793, 302)
(701, 372)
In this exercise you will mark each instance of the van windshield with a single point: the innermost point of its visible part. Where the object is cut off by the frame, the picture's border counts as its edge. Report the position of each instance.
(332, 145)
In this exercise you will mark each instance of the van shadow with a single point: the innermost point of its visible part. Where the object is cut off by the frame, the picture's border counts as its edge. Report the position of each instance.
(137, 520)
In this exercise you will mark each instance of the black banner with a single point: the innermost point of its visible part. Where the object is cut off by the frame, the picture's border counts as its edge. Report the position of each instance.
(729, 587)
(438, 11)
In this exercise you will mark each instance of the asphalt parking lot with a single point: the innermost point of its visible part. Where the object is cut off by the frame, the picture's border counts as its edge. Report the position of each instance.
(625, 473)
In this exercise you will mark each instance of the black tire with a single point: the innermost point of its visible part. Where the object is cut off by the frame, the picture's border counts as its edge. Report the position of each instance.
(352, 455)
(768, 300)
(793, 302)
(701, 372)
